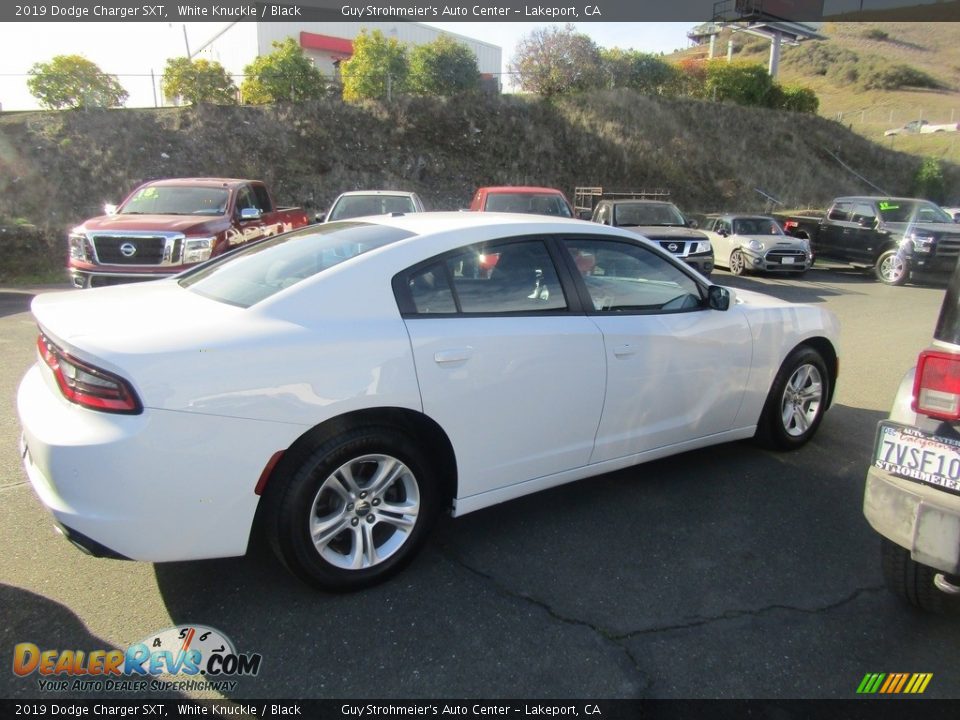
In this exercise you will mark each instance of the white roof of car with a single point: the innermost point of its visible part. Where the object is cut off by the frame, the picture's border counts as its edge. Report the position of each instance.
(392, 193)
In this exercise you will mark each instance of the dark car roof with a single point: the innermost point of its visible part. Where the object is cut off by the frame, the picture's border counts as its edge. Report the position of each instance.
(877, 198)
(626, 201)
(740, 216)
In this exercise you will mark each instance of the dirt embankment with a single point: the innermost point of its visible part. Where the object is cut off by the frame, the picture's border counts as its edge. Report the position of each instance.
(58, 168)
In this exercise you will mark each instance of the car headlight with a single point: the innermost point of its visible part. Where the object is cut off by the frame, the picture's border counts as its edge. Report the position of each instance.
(922, 242)
(197, 249)
(701, 246)
(78, 246)
(754, 245)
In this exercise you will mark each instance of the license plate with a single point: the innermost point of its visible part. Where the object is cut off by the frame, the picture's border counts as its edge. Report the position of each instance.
(787, 260)
(914, 455)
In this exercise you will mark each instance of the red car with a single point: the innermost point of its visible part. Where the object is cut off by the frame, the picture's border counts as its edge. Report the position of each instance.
(522, 199)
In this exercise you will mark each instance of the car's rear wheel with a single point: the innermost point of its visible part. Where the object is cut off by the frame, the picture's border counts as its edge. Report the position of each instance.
(355, 511)
(797, 400)
(915, 583)
(892, 268)
(738, 263)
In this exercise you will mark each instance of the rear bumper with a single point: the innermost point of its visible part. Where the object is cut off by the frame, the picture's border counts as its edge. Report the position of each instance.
(159, 486)
(920, 518)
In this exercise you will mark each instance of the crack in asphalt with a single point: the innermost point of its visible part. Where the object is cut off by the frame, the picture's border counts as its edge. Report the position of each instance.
(619, 639)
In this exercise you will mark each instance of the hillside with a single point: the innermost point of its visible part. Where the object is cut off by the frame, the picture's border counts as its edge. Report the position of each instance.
(58, 168)
(845, 69)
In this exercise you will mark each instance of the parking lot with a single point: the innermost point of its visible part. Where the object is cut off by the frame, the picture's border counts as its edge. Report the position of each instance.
(726, 572)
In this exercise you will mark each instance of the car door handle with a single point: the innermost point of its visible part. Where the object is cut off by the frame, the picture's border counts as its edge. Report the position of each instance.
(625, 350)
(442, 357)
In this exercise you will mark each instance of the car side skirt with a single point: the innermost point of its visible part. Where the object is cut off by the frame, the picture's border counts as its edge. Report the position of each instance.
(464, 505)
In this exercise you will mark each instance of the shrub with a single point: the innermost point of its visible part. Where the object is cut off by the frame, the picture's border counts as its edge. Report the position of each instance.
(928, 182)
(894, 77)
(799, 99)
(876, 34)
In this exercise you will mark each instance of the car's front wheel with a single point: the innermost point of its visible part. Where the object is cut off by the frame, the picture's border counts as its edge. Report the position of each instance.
(796, 402)
(738, 264)
(356, 511)
(892, 268)
(915, 583)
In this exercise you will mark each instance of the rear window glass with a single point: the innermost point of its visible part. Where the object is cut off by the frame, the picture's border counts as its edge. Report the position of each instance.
(353, 206)
(530, 203)
(251, 274)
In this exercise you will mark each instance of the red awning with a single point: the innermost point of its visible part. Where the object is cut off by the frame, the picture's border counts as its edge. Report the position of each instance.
(327, 43)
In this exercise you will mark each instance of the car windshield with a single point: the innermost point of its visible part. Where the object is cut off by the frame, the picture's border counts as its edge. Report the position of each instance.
(528, 203)
(351, 206)
(756, 226)
(177, 200)
(917, 211)
(254, 273)
(633, 214)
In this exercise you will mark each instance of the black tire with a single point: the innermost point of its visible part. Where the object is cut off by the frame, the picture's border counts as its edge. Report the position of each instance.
(892, 268)
(738, 263)
(913, 582)
(333, 494)
(796, 402)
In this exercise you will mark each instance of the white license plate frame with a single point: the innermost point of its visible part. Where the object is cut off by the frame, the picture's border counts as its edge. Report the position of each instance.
(914, 455)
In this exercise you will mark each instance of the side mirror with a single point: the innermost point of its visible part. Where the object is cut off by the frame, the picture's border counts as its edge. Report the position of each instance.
(320, 217)
(250, 214)
(584, 214)
(109, 209)
(718, 298)
(691, 223)
(722, 232)
(864, 221)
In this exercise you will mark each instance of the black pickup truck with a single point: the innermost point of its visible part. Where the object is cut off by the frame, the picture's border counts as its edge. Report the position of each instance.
(893, 236)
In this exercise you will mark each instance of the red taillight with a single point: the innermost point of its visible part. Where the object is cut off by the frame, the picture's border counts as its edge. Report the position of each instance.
(936, 386)
(86, 385)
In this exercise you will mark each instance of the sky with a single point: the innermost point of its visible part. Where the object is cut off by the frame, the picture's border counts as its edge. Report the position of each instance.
(133, 50)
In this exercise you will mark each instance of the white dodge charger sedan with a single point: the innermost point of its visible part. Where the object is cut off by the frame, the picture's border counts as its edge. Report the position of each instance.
(344, 383)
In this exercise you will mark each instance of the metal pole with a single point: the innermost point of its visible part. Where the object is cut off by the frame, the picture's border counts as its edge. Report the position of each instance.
(153, 86)
(186, 42)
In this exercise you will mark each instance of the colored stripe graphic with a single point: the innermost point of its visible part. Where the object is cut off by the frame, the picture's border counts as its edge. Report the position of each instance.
(894, 683)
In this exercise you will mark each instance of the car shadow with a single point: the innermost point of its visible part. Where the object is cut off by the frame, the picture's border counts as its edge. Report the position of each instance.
(14, 302)
(32, 618)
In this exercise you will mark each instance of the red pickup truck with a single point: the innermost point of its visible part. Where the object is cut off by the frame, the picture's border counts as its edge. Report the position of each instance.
(166, 226)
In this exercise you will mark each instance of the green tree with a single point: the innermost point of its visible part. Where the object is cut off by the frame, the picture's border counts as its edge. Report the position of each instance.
(284, 74)
(928, 182)
(72, 81)
(378, 69)
(443, 67)
(742, 83)
(638, 71)
(197, 81)
(552, 61)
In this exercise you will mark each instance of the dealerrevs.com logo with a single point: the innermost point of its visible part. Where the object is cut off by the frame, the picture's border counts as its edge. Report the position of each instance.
(185, 657)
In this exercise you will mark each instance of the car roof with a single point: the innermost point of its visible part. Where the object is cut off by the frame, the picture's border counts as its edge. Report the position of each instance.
(739, 216)
(435, 222)
(638, 201)
(201, 182)
(520, 190)
(390, 193)
(875, 198)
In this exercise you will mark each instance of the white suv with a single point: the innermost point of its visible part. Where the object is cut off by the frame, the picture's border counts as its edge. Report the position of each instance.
(912, 495)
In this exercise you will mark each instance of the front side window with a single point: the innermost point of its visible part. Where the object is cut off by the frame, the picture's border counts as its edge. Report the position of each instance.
(489, 278)
(622, 277)
(756, 226)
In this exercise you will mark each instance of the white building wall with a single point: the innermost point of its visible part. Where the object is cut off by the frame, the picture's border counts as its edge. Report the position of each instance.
(241, 42)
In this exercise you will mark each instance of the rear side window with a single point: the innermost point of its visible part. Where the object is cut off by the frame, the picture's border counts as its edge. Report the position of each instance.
(254, 273)
(840, 212)
(486, 279)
